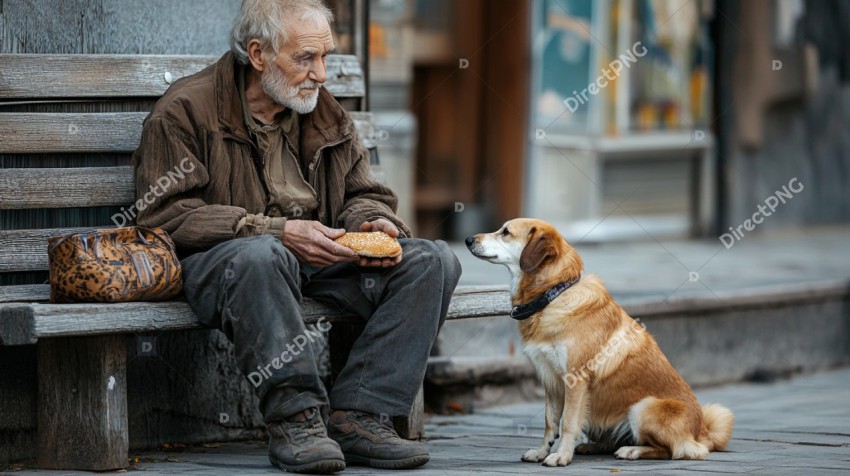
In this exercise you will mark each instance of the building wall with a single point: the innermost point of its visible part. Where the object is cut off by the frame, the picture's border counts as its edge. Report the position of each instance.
(806, 139)
(116, 26)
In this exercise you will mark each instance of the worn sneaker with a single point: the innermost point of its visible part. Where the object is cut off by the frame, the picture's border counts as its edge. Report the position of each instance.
(367, 440)
(300, 444)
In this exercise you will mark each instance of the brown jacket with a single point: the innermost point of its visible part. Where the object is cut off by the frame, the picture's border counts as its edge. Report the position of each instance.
(196, 168)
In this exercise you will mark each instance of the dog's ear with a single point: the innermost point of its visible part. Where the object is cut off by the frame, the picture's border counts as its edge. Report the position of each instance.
(536, 251)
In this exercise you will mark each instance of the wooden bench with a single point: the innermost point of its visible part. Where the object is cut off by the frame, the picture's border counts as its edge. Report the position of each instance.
(81, 348)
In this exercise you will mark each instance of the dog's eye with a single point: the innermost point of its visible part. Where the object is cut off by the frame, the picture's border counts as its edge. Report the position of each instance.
(505, 232)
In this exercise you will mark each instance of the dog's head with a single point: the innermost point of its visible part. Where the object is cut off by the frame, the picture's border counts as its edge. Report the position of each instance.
(529, 248)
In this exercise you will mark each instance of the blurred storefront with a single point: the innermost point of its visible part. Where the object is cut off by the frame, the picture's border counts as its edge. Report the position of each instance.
(621, 99)
(613, 119)
(491, 86)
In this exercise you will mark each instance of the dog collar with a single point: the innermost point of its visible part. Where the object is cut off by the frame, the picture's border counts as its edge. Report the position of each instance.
(524, 311)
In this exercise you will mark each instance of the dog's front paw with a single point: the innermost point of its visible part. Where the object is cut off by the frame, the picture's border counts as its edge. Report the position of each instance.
(628, 452)
(534, 456)
(558, 459)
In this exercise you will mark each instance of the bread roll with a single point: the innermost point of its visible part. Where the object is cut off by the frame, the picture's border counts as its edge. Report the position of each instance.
(374, 244)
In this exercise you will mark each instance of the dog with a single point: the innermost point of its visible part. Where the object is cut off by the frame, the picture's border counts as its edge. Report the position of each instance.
(604, 376)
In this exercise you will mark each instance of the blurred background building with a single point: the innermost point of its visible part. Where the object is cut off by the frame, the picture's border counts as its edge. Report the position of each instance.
(725, 102)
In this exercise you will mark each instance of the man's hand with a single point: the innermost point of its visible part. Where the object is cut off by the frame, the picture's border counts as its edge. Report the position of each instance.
(381, 224)
(312, 243)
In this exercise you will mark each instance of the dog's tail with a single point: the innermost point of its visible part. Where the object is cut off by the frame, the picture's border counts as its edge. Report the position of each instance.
(717, 423)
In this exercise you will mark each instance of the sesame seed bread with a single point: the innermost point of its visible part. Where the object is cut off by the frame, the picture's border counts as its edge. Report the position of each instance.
(375, 244)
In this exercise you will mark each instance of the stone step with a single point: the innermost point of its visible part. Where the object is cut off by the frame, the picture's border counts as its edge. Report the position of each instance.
(753, 333)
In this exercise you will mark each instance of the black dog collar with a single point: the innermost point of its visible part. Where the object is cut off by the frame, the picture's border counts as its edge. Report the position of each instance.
(524, 311)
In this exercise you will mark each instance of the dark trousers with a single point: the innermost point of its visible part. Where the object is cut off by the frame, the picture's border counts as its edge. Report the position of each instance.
(251, 289)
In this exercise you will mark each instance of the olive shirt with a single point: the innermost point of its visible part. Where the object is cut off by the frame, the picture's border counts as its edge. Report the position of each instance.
(289, 194)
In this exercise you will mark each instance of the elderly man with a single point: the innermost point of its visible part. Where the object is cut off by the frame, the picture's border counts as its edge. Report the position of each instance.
(277, 173)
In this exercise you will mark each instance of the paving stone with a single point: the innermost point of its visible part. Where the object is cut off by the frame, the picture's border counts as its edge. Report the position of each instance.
(795, 427)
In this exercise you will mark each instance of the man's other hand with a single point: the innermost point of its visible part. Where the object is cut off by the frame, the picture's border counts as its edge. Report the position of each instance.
(381, 224)
(312, 243)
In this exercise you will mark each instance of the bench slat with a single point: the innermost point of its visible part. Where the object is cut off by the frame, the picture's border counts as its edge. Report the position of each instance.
(65, 188)
(367, 129)
(24, 293)
(41, 292)
(27, 323)
(26, 250)
(39, 133)
(82, 76)
(28, 76)
(345, 76)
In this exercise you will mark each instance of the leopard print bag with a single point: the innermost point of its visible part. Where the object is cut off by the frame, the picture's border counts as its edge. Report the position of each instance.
(114, 265)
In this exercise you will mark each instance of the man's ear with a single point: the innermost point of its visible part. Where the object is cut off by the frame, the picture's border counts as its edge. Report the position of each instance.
(536, 251)
(255, 54)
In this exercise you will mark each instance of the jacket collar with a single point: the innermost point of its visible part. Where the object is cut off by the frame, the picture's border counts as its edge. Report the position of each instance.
(328, 123)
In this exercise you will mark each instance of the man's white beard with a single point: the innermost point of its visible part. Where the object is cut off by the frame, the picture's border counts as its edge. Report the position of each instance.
(282, 92)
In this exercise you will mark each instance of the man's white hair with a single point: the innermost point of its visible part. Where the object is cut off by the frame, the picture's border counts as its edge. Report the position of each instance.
(269, 20)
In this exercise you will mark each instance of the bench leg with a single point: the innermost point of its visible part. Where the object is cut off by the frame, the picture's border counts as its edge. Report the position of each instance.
(412, 427)
(82, 403)
(342, 337)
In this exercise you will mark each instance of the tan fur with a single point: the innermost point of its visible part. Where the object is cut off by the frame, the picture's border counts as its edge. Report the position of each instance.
(615, 383)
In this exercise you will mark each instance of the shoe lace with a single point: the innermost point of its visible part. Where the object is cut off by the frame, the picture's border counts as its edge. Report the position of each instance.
(313, 426)
(382, 427)
(305, 430)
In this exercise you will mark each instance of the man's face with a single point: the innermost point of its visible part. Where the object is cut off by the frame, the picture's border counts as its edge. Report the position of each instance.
(293, 79)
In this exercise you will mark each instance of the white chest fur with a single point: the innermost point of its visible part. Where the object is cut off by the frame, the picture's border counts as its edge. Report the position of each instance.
(550, 361)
